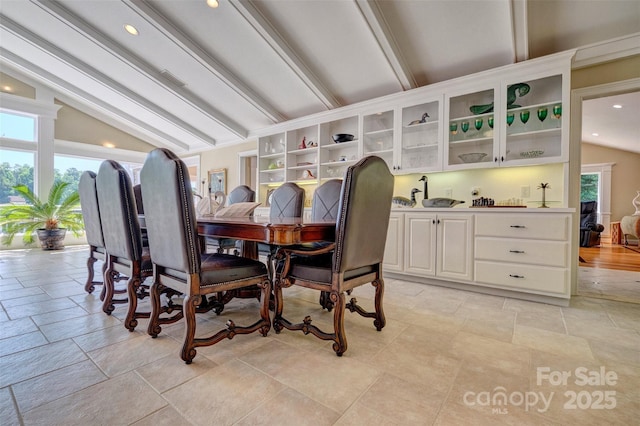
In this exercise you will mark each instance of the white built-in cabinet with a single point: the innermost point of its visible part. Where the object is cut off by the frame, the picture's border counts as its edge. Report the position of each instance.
(431, 245)
(527, 251)
(511, 116)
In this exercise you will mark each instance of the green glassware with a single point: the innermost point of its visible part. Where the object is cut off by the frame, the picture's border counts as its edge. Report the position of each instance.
(542, 113)
(478, 123)
(490, 121)
(464, 126)
(524, 116)
(454, 128)
(557, 111)
(510, 118)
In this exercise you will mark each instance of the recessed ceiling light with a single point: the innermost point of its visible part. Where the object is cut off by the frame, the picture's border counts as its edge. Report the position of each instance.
(108, 145)
(617, 106)
(7, 88)
(131, 29)
(595, 134)
(213, 3)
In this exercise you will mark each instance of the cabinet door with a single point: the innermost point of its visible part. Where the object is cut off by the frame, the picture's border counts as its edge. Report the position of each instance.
(455, 246)
(421, 141)
(377, 136)
(470, 139)
(393, 251)
(533, 127)
(420, 244)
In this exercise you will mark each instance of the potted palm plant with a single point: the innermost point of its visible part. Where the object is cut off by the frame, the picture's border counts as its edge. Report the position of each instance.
(50, 219)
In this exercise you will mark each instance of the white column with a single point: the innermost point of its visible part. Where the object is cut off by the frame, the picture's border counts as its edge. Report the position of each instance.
(43, 178)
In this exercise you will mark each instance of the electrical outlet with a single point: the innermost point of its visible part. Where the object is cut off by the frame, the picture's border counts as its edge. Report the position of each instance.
(475, 191)
(525, 191)
(448, 192)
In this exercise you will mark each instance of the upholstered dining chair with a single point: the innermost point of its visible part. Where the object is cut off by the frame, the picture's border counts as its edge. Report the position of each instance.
(353, 260)
(326, 199)
(178, 262)
(92, 227)
(287, 201)
(123, 240)
(239, 194)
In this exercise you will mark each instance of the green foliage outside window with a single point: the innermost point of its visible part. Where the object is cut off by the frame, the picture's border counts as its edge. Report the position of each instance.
(589, 187)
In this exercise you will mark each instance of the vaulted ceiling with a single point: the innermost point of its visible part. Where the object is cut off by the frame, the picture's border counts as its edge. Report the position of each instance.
(196, 77)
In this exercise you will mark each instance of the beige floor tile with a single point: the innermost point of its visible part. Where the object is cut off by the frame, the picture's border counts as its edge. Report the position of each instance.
(496, 325)
(19, 293)
(106, 336)
(171, 371)
(56, 384)
(358, 415)
(57, 316)
(222, 394)
(64, 289)
(20, 343)
(605, 332)
(8, 412)
(36, 308)
(290, 407)
(507, 357)
(118, 401)
(550, 321)
(549, 341)
(17, 327)
(405, 402)
(454, 413)
(333, 381)
(24, 365)
(133, 353)
(167, 416)
(39, 297)
(606, 351)
(78, 326)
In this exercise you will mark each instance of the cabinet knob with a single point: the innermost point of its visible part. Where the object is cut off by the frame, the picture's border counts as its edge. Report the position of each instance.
(517, 226)
(516, 276)
(516, 251)
(495, 159)
(501, 158)
(433, 221)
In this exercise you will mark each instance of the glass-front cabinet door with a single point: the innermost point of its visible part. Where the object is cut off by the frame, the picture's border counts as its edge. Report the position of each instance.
(470, 135)
(420, 144)
(378, 136)
(534, 116)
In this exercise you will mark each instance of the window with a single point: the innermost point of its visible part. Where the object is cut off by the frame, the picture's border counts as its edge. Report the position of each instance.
(16, 168)
(590, 187)
(69, 168)
(17, 126)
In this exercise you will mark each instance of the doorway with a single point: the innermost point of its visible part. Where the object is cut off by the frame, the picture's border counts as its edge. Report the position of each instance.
(610, 271)
(248, 169)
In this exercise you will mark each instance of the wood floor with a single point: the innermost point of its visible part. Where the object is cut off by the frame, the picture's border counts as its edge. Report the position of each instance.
(611, 256)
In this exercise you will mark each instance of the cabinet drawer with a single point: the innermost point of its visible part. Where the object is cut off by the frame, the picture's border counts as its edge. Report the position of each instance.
(534, 226)
(526, 277)
(532, 252)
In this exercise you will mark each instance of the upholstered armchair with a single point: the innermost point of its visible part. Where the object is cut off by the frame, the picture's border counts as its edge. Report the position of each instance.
(353, 260)
(590, 229)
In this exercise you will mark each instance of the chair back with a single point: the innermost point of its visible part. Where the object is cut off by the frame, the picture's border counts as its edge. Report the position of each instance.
(118, 212)
(241, 194)
(90, 209)
(137, 193)
(169, 212)
(287, 201)
(588, 213)
(326, 200)
(363, 215)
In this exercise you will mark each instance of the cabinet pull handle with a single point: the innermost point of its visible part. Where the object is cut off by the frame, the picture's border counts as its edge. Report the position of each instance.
(502, 159)
(433, 221)
(516, 276)
(495, 159)
(517, 226)
(516, 251)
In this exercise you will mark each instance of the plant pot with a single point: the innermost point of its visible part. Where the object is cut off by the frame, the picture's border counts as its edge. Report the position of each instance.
(51, 239)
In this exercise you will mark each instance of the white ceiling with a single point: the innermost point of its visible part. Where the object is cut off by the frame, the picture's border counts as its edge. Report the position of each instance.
(247, 65)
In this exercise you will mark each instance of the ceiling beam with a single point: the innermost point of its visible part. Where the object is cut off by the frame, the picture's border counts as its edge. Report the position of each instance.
(519, 30)
(136, 63)
(380, 29)
(147, 12)
(73, 63)
(269, 34)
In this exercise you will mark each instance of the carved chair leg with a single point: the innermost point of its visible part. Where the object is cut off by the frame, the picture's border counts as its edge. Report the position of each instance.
(265, 296)
(340, 342)
(380, 320)
(278, 302)
(133, 285)
(154, 325)
(189, 310)
(107, 305)
(89, 285)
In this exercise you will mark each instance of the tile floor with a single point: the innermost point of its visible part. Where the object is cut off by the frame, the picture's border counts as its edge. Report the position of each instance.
(446, 357)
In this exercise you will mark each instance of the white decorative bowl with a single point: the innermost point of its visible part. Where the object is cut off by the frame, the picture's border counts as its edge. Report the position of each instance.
(473, 157)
